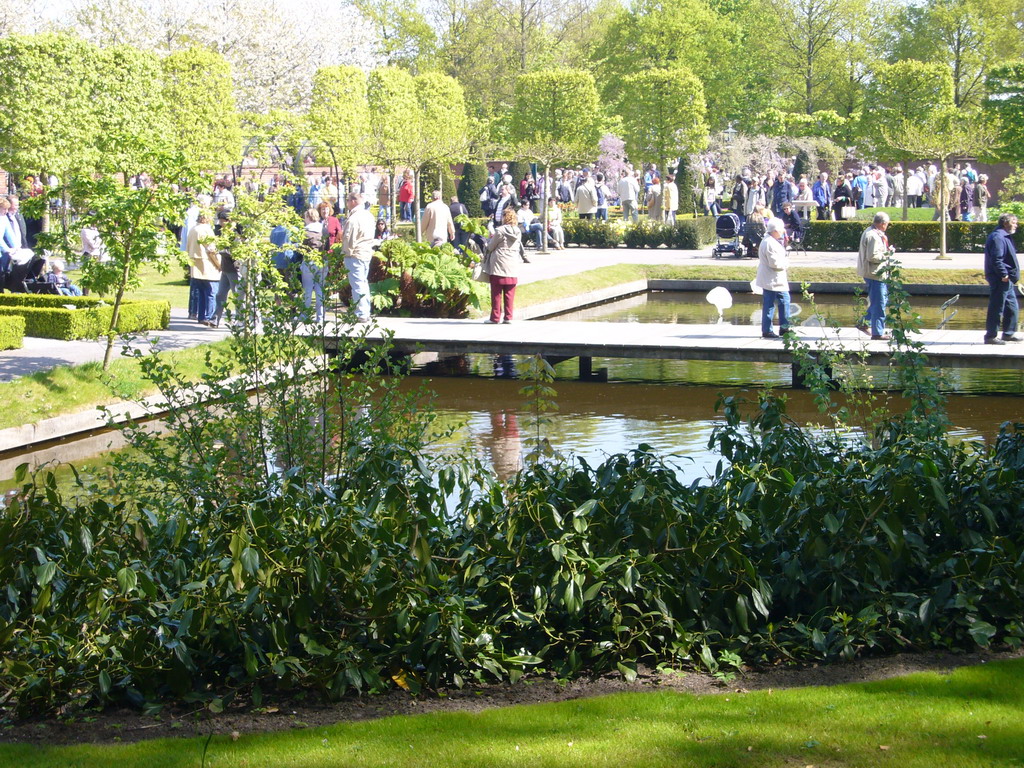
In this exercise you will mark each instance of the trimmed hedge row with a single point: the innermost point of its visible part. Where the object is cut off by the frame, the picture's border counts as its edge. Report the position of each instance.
(84, 317)
(12, 332)
(686, 234)
(906, 236)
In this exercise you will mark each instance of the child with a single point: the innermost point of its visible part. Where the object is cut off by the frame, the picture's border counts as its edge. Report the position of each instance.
(57, 277)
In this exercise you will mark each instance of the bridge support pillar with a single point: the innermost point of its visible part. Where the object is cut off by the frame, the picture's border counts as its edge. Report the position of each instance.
(587, 372)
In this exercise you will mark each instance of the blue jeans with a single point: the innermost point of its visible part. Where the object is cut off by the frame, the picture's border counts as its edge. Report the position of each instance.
(406, 214)
(358, 278)
(537, 230)
(313, 279)
(193, 298)
(602, 214)
(878, 297)
(205, 302)
(768, 302)
(1002, 305)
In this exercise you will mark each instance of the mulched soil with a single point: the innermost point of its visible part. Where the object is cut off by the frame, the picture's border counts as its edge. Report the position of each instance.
(127, 725)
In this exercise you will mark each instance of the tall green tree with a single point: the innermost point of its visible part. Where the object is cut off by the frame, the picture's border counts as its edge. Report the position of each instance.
(967, 36)
(394, 120)
(404, 37)
(902, 96)
(444, 126)
(557, 117)
(664, 115)
(205, 126)
(130, 112)
(47, 116)
(665, 33)
(945, 134)
(1005, 104)
(339, 115)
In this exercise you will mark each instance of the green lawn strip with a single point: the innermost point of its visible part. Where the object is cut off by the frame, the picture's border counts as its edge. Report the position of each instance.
(172, 287)
(928, 720)
(67, 389)
(605, 277)
(896, 214)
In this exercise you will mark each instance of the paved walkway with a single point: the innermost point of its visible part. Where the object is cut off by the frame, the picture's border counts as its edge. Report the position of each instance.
(43, 354)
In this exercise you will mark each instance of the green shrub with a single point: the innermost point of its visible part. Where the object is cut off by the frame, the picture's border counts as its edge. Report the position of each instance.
(81, 317)
(690, 234)
(12, 332)
(473, 179)
(591, 232)
(906, 236)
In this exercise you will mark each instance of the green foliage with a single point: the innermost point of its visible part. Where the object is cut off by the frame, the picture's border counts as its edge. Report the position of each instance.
(556, 115)
(48, 316)
(431, 175)
(199, 98)
(903, 94)
(444, 124)
(394, 116)
(908, 236)
(339, 114)
(12, 332)
(1005, 104)
(802, 166)
(689, 234)
(426, 281)
(47, 120)
(663, 113)
(473, 179)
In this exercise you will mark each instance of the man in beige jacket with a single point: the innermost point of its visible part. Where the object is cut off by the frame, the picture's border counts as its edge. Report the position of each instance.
(871, 258)
(438, 226)
(205, 273)
(357, 245)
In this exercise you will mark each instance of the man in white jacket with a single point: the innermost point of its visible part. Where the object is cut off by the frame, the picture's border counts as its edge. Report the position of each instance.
(772, 262)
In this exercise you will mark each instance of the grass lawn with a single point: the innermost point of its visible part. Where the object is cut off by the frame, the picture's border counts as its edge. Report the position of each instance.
(67, 389)
(971, 717)
(896, 214)
(172, 287)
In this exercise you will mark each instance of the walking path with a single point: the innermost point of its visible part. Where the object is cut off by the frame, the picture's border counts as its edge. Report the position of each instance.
(43, 354)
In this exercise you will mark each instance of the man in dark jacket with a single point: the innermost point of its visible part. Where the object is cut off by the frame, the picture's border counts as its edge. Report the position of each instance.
(782, 192)
(458, 209)
(1002, 272)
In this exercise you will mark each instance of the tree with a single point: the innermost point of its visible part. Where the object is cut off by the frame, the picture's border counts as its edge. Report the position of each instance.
(271, 70)
(403, 36)
(128, 102)
(47, 121)
(555, 119)
(666, 33)
(966, 36)
(945, 133)
(902, 96)
(394, 119)
(1005, 104)
(808, 31)
(131, 223)
(664, 115)
(444, 125)
(204, 124)
(339, 115)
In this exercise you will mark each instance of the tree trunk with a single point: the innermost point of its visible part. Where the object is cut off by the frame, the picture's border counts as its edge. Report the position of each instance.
(116, 312)
(416, 204)
(906, 175)
(544, 216)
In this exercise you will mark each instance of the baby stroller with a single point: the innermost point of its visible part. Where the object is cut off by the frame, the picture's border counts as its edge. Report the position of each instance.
(727, 227)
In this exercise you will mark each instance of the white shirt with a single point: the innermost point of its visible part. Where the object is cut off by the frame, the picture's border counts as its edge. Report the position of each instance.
(628, 189)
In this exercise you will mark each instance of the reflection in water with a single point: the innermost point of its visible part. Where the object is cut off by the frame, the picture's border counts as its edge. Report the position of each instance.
(502, 443)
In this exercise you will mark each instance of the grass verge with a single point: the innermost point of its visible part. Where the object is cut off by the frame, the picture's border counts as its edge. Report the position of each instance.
(172, 287)
(605, 277)
(67, 389)
(970, 717)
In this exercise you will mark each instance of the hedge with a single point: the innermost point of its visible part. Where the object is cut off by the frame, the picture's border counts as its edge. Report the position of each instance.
(12, 332)
(687, 234)
(906, 236)
(81, 317)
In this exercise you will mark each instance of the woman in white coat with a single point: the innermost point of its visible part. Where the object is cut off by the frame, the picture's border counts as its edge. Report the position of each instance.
(772, 262)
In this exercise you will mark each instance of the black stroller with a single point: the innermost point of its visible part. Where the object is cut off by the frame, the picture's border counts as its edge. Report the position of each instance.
(727, 227)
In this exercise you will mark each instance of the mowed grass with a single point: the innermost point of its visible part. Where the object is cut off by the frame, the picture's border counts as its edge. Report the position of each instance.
(67, 389)
(172, 287)
(971, 717)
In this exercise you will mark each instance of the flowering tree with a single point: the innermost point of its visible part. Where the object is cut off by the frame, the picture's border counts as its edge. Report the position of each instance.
(612, 159)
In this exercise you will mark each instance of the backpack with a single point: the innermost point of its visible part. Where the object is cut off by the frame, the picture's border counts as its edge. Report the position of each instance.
(484, 195)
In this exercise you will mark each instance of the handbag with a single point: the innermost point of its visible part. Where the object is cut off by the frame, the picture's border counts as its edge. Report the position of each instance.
(480, 273)
(849, 212)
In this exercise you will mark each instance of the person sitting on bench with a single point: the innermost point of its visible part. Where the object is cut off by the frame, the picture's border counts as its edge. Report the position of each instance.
(794, 224)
